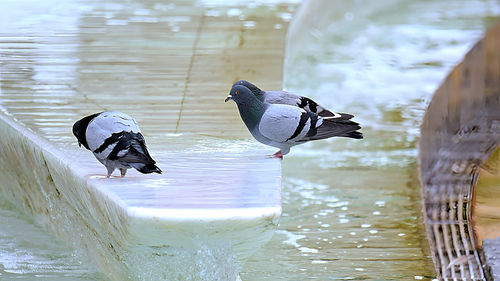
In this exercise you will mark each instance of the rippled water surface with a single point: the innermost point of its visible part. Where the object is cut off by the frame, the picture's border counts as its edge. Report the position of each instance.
(29, 252)
(351, 209)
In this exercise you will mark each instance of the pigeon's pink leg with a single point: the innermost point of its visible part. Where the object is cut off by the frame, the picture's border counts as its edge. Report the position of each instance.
(278, 155)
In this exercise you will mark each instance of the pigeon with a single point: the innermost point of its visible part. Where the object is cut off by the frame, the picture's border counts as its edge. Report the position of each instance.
(284, 125)
(284, 97)
(116, 141)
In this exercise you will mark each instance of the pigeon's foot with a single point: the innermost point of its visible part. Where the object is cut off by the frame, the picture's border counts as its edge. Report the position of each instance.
(110, 171)
(278, 155)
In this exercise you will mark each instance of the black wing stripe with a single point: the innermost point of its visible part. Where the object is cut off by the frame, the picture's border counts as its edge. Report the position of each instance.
(312, 130)
(303, 119)
(123, 144)
(307, 102)
(115, 137)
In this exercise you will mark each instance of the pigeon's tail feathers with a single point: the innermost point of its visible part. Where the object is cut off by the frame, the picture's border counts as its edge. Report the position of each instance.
(353, 135)
(131, 149)
(337, 127)
(148, 169)
(138, 152)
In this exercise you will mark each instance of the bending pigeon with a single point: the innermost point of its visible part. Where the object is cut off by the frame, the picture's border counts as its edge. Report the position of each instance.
(284, 126)
(116, 141)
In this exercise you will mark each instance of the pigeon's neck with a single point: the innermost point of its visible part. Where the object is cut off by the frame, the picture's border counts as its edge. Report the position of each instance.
(259, 94)
(251, 112)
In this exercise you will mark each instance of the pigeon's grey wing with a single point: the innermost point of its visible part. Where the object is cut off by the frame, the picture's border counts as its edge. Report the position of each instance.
(281, 97)
(106, 124)
(281, 123)
(284, 97)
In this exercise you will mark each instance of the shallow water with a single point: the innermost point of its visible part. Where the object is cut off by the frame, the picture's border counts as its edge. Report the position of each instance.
(29, 252)
(351, 209)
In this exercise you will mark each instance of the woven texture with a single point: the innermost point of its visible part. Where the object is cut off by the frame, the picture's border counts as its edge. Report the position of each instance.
(460, 130)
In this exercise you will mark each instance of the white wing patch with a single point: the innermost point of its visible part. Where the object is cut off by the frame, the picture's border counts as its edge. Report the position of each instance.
(105, 124)
(280, 122)
(122, 153)
(335, 116)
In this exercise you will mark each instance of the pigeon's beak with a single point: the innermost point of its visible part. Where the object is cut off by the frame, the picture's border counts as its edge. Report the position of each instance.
(229, 97)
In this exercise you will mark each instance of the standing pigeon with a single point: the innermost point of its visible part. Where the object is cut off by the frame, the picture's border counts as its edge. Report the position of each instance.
(283, 125)
(284, 97)
(116, 141)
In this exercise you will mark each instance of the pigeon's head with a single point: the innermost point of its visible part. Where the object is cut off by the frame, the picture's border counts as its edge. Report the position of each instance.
(255, 90)
(80, 127)
(240, 94)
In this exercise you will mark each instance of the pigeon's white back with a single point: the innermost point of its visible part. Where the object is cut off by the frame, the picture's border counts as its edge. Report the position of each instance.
(107, 123)
(279, 122)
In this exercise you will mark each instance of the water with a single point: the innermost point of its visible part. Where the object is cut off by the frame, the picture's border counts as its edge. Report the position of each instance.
(29, 252)
(351, 209)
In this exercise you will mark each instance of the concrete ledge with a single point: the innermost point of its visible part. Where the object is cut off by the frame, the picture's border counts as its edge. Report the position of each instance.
(134, 227)
(170, 67)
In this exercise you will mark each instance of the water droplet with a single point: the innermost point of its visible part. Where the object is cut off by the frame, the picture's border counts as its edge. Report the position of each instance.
(233, 12)
(249, 24)
(348, 16)
(308, 250)
(212, 13)
(286, 17)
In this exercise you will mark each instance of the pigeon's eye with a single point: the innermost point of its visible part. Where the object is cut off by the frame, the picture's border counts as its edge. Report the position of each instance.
(237, 92)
